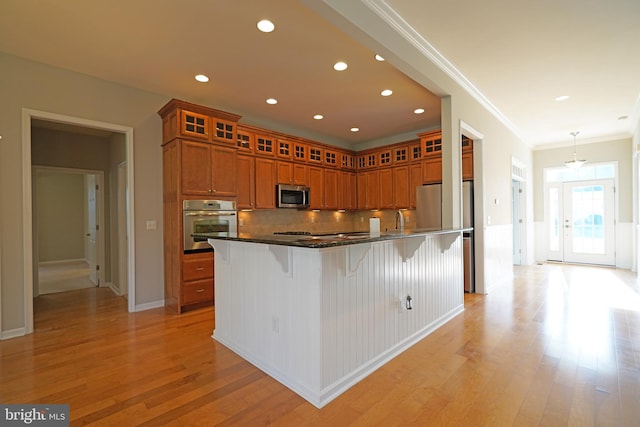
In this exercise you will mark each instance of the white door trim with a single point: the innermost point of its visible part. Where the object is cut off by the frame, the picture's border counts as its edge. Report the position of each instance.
(27, 235)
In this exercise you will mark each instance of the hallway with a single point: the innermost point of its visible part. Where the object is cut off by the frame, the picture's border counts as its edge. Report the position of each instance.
(559, 346)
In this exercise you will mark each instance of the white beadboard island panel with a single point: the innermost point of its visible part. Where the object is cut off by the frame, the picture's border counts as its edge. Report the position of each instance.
(320, 319)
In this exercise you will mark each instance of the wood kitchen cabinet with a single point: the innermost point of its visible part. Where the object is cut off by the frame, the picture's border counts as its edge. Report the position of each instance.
(265, 183)
(347, 189)
(331, 158)
(331, 200)
(246, 179)
(386, 189)
(207, 169)
(467, 166)
(384, 157)
(415, 180)
(431, 143)
(401, 185)
(291, 173)
(265, 145)
(368, 189)
(197, 279)
(223, 160)
(300, 174)
(316, 185)
(182, 119)
(432, 170)
(284, 172)
(244, 141)
(284, 149)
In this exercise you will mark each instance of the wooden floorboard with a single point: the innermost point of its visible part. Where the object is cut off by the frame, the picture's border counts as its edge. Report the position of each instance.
(559, 345)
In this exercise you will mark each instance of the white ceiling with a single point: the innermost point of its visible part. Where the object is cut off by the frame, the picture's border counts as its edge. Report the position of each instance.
(517, 55)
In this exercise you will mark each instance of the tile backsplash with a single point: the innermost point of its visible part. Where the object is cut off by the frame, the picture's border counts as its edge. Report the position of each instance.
(261, 222)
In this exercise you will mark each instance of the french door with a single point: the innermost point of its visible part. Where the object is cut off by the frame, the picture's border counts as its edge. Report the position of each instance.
(582, 222)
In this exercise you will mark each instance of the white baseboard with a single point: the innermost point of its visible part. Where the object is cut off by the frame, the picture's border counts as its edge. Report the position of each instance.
(114, 288)
(13, 333)
(149, 305)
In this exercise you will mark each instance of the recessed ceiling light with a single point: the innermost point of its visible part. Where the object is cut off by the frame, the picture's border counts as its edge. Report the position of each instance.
(318, 117)
(202, 78)
(355, 129)
(419, 110)
(272, 101)
(562, 98)
(340, 66)
(386, 92)
(266, 26)
(379, 58)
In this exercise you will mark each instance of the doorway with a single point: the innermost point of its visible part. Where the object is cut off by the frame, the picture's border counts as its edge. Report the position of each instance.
(69, 247)
(582, 222)
(120, 133)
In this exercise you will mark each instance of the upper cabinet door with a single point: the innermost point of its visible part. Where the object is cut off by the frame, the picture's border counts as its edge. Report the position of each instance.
(196, 168)
(223, 161)
(194, 125)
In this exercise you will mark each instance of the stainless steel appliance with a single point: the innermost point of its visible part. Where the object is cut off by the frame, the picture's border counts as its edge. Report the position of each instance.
(429, 207)
(467, 239)
(429, 217)
(202, 218)
(292, 196)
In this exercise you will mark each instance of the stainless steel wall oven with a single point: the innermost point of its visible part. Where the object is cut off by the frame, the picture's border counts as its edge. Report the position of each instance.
(203, 218)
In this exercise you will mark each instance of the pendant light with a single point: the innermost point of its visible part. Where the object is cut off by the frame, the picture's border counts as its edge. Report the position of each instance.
(574, 163)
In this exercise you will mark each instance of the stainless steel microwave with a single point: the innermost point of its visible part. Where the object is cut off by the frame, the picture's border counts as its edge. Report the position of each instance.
(292, 196)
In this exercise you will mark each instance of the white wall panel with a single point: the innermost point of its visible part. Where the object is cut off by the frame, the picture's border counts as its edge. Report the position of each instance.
(333, 315)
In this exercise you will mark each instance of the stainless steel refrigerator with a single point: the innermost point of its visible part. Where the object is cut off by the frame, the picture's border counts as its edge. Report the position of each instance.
(429, 217)
(467, 239)
(429, 207)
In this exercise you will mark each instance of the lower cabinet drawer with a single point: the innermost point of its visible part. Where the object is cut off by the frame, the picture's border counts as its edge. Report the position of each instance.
(195, 268)
(197, 291)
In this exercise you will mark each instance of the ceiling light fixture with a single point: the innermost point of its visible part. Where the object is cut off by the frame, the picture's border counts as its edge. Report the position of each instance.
(574, 163)
(355, 129)
(266, 26)
(386, 92)
(202, 78)
(318, 117)
(418, 110)
(340, 66)
(272, 101)
(562, 98)
(379, 58)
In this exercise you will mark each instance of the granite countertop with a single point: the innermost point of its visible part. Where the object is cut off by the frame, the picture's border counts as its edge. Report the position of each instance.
(328, 240)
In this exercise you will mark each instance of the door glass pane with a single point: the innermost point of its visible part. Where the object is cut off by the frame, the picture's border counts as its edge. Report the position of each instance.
(554, 220)
(588, 219)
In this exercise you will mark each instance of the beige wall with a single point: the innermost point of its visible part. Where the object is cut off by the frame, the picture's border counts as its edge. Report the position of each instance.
(609, 151)
(76, 151)
(76, 95)
(60, 215)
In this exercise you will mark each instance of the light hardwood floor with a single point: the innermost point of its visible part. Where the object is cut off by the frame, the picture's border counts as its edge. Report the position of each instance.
(559, 346)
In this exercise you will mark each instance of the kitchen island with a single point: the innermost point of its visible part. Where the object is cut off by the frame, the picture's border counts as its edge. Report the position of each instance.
(319, 313)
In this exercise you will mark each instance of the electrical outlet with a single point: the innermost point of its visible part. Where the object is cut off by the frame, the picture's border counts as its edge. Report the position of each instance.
(151, 224)
(240, 222)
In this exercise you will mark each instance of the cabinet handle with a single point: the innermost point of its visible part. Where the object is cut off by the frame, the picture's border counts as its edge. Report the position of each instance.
(199, 291)
(199, 268)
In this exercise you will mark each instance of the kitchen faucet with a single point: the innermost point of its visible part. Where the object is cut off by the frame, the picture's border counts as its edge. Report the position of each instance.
(400, 218)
